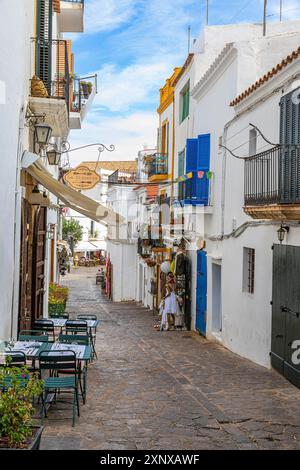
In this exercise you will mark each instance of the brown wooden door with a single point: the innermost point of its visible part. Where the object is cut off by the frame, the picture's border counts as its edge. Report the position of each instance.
(38, 263)
(25, 268)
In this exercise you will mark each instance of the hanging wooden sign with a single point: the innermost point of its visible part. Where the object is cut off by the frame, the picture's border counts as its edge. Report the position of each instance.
(82, 178)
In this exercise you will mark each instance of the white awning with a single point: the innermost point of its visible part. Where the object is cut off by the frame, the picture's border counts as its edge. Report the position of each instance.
(95, 245)
(72, 198)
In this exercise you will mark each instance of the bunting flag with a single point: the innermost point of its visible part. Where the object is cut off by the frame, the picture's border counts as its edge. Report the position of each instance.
(200, 174)
(185, 177)
(209, 175)
(190, 175)
(181, 178)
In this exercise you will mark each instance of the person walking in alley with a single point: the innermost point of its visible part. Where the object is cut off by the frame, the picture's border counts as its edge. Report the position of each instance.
(169, 304)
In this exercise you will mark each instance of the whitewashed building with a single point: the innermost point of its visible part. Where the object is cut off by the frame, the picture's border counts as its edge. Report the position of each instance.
(38, 93)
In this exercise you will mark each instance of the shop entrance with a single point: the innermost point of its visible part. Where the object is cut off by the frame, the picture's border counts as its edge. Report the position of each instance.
(285, 354)
(201, 293)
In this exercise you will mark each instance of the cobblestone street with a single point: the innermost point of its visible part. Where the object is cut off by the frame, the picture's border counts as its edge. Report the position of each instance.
(169, 390)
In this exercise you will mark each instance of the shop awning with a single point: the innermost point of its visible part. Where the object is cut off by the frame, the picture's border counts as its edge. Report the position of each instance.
(72, 198)
(95, 245)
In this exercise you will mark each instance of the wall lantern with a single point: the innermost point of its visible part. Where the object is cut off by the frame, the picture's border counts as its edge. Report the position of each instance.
(37, 198)
(53, 157)
(42, 134)
(281, 232)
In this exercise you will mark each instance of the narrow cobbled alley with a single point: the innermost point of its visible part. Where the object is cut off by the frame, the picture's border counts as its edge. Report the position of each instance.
(169, 390)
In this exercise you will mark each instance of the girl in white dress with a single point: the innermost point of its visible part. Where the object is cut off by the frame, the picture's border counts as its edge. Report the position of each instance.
(169, 307)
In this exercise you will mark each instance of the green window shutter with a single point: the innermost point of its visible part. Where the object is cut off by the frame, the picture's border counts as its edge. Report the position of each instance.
(185, 104)
(44, 42)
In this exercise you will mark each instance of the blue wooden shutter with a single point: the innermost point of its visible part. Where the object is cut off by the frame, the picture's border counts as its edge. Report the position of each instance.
(191, 155)
(203, 164)
(201, 292)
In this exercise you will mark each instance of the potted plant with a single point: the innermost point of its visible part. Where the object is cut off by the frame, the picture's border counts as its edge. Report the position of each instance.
(86, 88)
(17, 430)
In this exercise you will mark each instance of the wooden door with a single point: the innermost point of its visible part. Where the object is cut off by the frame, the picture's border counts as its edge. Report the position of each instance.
(286, 312)
(24, 322)
(38, 263)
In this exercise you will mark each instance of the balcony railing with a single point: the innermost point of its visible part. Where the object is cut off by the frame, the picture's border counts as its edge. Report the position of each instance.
(159, 165)
(273, 177)
(83, 89)
(55, 78)
(121, 177)
(194, 190)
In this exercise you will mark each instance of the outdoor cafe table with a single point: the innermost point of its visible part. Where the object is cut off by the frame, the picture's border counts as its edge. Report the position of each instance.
(61, 322)
(32, 349)
(91, 324)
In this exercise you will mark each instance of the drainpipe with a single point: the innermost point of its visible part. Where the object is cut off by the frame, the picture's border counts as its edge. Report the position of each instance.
(17, 228)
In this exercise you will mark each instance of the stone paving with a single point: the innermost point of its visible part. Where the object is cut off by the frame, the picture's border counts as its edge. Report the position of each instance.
(169, 390)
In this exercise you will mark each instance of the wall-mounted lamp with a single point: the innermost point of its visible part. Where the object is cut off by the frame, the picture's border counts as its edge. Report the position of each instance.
(37, 198)
(53, 157)
(284, 229)
(42, 134)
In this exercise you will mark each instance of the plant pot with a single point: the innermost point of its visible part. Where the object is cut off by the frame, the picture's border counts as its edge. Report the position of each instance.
(35, 442)
(56, 308)
(85, 90)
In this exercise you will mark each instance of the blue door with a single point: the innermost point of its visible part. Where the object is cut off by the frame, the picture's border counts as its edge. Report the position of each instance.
(203, 164)
(201, 293)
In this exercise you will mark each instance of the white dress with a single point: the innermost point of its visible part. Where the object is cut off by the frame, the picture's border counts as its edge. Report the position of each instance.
(171, 304)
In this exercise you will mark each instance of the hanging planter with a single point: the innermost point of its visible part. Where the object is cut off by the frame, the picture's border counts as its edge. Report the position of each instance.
(86, 88)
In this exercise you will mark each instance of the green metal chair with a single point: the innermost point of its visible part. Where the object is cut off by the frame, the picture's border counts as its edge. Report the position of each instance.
(53, 363)
(59, 315)
(93, 331)
(17, 359)
(33, 335)
(47, 326)
(82, 340)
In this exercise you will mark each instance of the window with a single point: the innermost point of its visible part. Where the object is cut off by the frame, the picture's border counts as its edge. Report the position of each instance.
(181, 171)
(185, 102)
(252, 142)
(164, 138)
(248, 270)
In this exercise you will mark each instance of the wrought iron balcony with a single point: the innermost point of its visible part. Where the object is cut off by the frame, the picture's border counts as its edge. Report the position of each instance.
(121, 177)
(272, 179)
(158, 166)
(194, 191)
(51, 82)
(83, 90)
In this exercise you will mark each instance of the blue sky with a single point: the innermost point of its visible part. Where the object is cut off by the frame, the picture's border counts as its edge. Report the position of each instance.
(133, 46)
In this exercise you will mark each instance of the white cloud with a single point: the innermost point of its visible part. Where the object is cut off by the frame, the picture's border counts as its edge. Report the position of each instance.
(136, 84)
(106, 15)
(128, 134)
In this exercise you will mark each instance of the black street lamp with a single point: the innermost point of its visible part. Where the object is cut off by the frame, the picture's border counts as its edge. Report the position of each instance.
(42, 134)
(53, 157)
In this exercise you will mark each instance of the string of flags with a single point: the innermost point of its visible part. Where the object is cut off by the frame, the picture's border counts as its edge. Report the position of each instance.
(200, 174)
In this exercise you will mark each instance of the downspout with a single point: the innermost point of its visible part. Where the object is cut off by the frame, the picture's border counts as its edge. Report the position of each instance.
(173, 157)
(17, 227)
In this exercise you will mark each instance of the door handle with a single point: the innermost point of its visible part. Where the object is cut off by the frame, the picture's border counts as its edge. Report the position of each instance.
(279, 336)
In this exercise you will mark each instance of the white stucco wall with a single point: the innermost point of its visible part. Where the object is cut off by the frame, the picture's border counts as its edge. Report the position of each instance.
(15, 73)
(246, 318)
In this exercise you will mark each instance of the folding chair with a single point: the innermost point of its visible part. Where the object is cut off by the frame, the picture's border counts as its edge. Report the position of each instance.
(53, 362)
(17, 359)
(33, 335)
(47, 326)
(93, 331)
